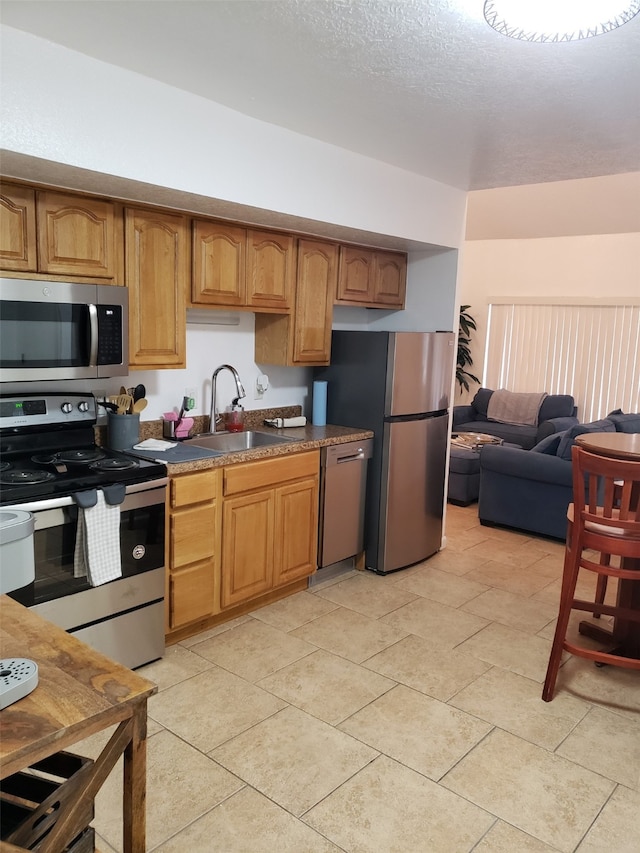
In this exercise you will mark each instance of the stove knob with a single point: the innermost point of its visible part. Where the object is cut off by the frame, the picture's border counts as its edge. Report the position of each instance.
(83, 407)
(66, 408)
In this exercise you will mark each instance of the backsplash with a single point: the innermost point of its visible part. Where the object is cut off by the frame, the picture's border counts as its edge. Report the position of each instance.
(253, 419)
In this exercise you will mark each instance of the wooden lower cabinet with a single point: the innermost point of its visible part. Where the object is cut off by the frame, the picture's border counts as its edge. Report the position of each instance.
(194, 549)
(269, 526)
(247, 547)
(239, 537)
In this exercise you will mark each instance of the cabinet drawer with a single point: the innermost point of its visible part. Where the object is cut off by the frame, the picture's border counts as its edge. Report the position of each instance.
(193, 535)
(248, 476)
(191, 594)
(194, 488)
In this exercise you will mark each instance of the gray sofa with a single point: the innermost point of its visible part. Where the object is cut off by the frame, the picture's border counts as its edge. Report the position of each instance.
(557, 413)
(531, 489)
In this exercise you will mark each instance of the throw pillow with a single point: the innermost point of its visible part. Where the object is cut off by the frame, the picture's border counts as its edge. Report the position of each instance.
(568, 437)
(549, 445)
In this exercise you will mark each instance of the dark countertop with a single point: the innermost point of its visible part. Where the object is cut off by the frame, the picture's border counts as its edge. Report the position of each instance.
(308, 437)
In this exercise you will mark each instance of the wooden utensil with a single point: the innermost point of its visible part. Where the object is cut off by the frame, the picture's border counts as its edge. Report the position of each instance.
(123, 402)
(139, 405)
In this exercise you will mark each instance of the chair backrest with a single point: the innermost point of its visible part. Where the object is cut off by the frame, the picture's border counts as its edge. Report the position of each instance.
(606, 488)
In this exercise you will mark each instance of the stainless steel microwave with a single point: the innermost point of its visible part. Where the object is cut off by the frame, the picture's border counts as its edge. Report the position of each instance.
(60, 330)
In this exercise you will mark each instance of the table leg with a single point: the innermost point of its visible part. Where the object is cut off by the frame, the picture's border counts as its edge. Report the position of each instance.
(135, 784)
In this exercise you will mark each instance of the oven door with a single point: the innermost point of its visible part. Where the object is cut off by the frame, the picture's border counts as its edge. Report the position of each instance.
(123, 618)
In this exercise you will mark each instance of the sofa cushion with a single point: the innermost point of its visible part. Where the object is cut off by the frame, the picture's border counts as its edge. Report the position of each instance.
(568, 438)
(626, 423)
(556, 406)
(480, 403)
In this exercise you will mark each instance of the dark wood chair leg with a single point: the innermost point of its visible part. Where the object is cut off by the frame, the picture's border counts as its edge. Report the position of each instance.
(569, 580)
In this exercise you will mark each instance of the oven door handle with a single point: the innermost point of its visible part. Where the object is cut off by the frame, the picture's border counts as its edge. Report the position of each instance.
(67, 500)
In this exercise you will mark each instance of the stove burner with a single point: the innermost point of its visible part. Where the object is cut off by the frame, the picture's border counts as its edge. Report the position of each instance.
(119, 464)
(4, 466)
(25, 477)
(87, 455)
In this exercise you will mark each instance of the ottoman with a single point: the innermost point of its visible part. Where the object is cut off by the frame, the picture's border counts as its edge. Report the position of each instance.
(464, 476)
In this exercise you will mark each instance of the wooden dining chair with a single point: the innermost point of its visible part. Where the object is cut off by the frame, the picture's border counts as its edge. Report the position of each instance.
(603, 518)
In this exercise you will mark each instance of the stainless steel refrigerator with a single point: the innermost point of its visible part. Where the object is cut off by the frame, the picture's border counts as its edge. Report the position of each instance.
(397, 384)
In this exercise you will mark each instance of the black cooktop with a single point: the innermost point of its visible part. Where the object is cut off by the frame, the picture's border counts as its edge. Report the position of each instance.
(45, 460)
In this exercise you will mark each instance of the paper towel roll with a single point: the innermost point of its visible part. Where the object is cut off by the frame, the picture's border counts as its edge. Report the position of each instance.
(319, 417)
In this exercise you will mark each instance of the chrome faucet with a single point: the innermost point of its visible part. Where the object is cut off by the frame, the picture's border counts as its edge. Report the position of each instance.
(213, 413)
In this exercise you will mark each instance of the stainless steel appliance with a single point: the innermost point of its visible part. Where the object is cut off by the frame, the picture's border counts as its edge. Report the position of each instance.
(48, 455)
(58, 330)
(397, 384)
(342, 495)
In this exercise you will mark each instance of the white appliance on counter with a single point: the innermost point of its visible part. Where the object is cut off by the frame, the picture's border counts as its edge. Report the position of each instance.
(397, 384)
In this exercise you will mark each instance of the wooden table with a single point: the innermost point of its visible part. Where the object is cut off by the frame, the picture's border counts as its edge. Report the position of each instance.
(625, 634)
(79, 692)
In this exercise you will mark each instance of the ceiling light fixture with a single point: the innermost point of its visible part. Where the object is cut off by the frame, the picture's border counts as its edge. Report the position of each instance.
(558, 20)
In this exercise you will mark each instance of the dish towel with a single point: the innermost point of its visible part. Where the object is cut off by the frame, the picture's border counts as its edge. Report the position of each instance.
(97, 551)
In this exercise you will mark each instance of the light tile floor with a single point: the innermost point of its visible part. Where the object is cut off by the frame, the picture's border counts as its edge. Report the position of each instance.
(397, 714)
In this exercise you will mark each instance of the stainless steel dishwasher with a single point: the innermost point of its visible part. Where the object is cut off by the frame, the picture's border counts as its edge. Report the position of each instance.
(343, 485)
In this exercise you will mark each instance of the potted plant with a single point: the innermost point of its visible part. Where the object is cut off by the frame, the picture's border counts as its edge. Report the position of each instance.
(466, 326)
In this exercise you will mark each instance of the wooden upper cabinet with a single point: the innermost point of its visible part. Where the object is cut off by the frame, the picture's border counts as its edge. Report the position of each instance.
(371, 278)
(18, 228)
(271, 269)
(389, 279)
(304, 336)
(317, 271)
(76, 235)
(355, 276)
(157, 273)
(218, 264)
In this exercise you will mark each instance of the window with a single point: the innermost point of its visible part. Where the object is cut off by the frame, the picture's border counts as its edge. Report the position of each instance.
(589, 349)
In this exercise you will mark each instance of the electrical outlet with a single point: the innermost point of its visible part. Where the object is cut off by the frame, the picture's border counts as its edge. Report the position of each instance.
(262, 385)
(190, 393)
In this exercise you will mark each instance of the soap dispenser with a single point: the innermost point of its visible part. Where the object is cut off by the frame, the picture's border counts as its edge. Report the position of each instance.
(234, 416)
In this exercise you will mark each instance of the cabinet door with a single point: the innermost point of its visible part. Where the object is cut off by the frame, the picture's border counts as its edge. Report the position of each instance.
(193, 533)
(355, 279)
(218, 264)
(247, 547)
(157, 271)
(18, 228)
(191, 594)
(389, 279)
(316, 286)
(271, 267)
(296, 531)
(76, 235)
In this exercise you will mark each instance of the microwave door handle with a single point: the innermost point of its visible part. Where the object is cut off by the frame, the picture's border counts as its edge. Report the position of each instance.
(93, 335)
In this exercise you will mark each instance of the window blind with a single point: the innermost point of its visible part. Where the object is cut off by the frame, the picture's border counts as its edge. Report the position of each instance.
(587, 349)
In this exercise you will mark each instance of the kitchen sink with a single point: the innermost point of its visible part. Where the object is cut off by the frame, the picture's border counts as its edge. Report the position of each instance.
(232, 442)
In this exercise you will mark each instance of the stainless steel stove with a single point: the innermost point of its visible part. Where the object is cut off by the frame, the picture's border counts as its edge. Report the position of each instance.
(49, 457)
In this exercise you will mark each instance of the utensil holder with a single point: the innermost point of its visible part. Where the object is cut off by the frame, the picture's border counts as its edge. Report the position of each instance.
(123, 431)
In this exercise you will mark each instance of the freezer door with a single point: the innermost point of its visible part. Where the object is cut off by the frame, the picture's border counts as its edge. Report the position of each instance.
(412, 495)
(420, 372)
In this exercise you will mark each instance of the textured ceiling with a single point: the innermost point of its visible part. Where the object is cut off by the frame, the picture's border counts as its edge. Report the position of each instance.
(424, 85)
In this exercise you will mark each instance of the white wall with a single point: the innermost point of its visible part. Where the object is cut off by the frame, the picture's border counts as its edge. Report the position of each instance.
(604, 261)
(62, 113)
